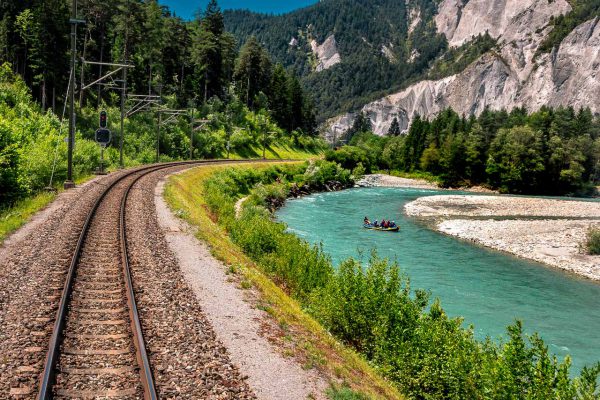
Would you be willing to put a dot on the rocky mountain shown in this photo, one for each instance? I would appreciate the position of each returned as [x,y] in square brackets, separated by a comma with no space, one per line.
[516,73]
[348,52]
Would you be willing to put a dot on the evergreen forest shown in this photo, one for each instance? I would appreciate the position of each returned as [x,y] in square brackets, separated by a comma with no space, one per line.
[551,151]
[245,100]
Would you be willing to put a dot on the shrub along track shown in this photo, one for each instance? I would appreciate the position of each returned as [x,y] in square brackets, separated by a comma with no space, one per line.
[102,350]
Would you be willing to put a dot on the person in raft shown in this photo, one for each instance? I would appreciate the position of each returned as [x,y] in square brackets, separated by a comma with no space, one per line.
[366,221]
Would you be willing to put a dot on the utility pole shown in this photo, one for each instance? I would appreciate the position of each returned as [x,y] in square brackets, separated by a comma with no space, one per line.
[158,137]
[159,87]
[192,135]
[122,138]
[195,127]
[124,89]
[69,184]
[113,85]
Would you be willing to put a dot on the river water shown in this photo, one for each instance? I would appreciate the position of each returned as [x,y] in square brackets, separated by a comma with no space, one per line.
[488,288]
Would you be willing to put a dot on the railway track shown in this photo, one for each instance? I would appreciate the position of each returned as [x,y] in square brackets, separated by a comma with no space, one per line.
[97,346]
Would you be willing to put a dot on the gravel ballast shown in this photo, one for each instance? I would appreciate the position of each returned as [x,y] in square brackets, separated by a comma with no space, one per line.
[33,265]
[187,359]
[236,320]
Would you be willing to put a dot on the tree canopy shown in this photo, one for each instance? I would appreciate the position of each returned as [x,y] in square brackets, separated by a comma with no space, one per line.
[550,151]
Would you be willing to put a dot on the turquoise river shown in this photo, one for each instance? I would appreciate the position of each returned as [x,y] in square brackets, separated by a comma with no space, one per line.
[488,288]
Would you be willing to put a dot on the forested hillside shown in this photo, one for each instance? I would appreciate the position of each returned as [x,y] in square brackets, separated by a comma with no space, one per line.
[246,100]
[383,44]
[551,151]
[193,62]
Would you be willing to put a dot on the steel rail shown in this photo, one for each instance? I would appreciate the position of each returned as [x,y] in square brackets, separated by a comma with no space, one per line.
[136,327]
[49,374]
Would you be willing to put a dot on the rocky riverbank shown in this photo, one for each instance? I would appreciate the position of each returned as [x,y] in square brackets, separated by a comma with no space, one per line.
[381,180]
[543,230]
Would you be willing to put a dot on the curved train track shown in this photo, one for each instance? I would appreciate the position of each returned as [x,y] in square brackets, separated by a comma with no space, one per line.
[97,346]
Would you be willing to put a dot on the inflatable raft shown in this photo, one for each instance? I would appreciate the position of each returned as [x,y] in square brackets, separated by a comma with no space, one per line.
[379,228]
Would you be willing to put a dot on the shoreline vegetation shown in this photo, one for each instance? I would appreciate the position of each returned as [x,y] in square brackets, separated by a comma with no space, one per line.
[33,154]
[369,305]
[302,336]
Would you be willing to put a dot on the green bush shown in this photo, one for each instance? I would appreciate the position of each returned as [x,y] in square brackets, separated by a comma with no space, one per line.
[593,241]
[10,184]
[319,174]
[269,196]
[290,261]
[361,305]
[299,267]
[358,172]
[349,157]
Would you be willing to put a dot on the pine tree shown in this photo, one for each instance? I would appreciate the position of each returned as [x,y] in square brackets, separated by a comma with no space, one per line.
[208,53]
[361,124]
[213,19]
[252,71]
[309,116]
[394,128]
[280,98]
[296,103]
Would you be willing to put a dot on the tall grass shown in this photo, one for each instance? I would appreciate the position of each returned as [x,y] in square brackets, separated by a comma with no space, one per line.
[12,218]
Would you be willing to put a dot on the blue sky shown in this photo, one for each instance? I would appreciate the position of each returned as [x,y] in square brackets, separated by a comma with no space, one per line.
[187,8]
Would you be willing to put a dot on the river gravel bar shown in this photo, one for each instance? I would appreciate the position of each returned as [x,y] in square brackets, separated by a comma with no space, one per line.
[501,206]
[544,230]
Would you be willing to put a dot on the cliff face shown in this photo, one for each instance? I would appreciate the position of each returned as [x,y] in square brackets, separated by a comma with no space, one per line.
[460,20]
[505,78]
[327,53]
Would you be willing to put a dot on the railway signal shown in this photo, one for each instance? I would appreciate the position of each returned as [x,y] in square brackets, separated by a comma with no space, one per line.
[103,137]
[103,119]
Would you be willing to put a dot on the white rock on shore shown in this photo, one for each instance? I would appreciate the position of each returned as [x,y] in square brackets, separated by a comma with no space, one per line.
[381,180]
[555,240]
[482,206]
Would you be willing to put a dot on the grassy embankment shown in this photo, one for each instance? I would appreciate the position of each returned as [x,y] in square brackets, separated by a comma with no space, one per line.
[14,217]
[304,337]
[276,152]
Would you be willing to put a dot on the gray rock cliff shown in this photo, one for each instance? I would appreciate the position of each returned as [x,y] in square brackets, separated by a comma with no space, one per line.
[327,53]
[506,78]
